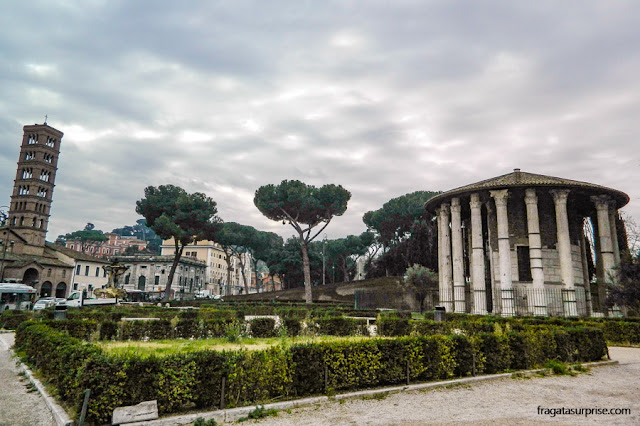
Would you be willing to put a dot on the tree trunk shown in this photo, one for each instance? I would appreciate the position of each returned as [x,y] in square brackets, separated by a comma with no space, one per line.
[254,262]
[308,298]
[172,271]
[227,258]
[345,272]
[244,275]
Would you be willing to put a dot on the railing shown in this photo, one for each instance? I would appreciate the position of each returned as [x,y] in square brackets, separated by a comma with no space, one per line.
[518,301]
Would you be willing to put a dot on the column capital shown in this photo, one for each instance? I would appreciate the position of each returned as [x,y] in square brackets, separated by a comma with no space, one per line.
[560,195]
[601,201]
[530,196]
[443,210]
[455,205]
[475,202]
[500,196]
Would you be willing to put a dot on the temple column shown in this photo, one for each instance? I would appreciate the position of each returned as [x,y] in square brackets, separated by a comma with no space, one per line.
[564,252]
[604,233]
[477,258]
[614,232]
[440,252]
[538,297]
[444,257]
[585,273]
[504,251]
[494,306]
[457,252]
[607,254]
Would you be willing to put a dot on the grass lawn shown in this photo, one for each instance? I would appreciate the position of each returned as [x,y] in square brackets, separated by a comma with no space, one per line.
[169,347]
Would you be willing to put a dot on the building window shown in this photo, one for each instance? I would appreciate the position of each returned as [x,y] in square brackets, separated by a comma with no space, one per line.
[23,190]
[77,268]
[51,142]
[126,278]
[86,270]
[157,280]
[49,272]
[524,264]
[104,273]
[33,139]
[27,173]
[47,158]
[45,175]
[75,286]
[30,156]
[64,273]
[97,271]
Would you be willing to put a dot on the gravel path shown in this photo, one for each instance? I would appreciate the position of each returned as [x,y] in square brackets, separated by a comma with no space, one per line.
[19,404]
[501,402]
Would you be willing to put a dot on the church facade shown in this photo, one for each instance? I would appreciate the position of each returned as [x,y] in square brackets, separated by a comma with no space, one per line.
[527,244]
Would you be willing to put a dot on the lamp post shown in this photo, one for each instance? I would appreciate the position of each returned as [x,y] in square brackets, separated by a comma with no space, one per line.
[324,242]
[3,241]
[4,244]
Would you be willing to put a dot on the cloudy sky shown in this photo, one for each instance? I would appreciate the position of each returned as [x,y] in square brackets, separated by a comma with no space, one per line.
[384,98]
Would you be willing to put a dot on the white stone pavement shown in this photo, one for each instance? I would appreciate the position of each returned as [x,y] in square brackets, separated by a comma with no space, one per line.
[20,403]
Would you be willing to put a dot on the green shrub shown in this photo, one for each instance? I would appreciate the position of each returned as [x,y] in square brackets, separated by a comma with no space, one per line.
[308,369]
[429,328]
[133,330]
[292,325]
[12,319]
[194,379]
[108,330]
[394,314]
[187,327]
[622,333]
[496,351]
[215,327]
[393,327]
[159,329]
[234,331]
[262,327]
[340,326]
[462,352]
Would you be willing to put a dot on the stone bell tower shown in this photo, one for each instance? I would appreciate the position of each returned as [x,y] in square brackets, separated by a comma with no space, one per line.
[33,186]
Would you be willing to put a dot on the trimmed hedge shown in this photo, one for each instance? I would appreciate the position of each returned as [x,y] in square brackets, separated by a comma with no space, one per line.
[262,327]
[388,326]
[341,326]
[184,381]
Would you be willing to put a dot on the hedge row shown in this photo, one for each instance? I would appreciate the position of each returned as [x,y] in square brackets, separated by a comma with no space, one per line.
[195,380]
[615,332]
[205,322]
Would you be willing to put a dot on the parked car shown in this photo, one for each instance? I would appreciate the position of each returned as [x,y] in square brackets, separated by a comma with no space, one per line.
[44,303]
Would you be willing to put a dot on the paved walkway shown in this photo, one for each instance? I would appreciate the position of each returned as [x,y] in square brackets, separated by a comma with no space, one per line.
[19,403]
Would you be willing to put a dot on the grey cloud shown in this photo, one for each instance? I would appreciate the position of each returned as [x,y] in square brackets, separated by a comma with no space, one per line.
[383,99]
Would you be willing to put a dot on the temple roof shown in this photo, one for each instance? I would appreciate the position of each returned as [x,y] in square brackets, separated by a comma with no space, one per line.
[519,179]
